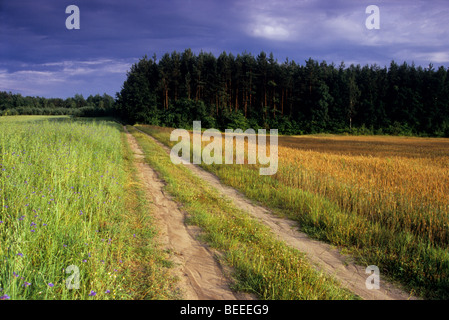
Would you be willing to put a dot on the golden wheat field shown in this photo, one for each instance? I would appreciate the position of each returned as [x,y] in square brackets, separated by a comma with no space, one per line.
[404,181]
[384,199]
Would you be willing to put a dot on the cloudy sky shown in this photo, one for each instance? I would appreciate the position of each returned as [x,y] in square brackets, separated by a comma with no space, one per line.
[39,56]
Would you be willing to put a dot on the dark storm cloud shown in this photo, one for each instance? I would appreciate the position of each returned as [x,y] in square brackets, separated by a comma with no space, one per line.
[39,56]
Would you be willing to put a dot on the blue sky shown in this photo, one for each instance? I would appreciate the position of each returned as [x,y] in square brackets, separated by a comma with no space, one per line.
[39,56]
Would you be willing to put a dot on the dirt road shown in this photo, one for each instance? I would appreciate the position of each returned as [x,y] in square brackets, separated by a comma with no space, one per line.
[201,276]
[322,255]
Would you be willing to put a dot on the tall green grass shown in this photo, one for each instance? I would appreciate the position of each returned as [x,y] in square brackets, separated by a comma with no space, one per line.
[64,202]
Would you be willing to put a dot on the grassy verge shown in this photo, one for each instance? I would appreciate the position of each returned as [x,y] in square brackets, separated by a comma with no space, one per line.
[72,223]
[262,265]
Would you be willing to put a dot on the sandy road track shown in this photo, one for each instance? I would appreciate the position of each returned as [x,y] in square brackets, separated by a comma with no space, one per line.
[322,255]
[201,276]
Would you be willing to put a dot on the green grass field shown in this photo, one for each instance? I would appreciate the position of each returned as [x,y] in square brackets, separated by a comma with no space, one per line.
[72,222]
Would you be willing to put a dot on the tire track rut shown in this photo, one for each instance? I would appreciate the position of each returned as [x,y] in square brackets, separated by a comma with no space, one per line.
[201,277]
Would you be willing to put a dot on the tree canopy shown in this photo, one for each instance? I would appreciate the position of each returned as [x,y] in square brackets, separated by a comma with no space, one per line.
[16,104]
[260,92]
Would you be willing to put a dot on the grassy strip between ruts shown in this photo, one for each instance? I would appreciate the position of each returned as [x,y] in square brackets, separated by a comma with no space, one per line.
[261,264]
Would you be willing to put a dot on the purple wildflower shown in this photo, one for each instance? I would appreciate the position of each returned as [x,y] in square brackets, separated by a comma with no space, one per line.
[5,297]
[50,284]
[20,254]
[92,293]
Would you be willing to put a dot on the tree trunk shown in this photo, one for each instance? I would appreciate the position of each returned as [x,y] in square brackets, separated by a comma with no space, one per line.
[236,99]
[216,102]
[282,101]
[166,98]
[246,103]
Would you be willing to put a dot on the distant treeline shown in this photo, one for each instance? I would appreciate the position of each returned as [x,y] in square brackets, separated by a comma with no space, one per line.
[244,91]
[93,106]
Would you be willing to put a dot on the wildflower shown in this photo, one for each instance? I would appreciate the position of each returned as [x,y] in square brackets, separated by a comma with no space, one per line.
[92,293]
[107,291]
[15,274]
[5,297]
[50,284]
[20,254]
[26,284]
